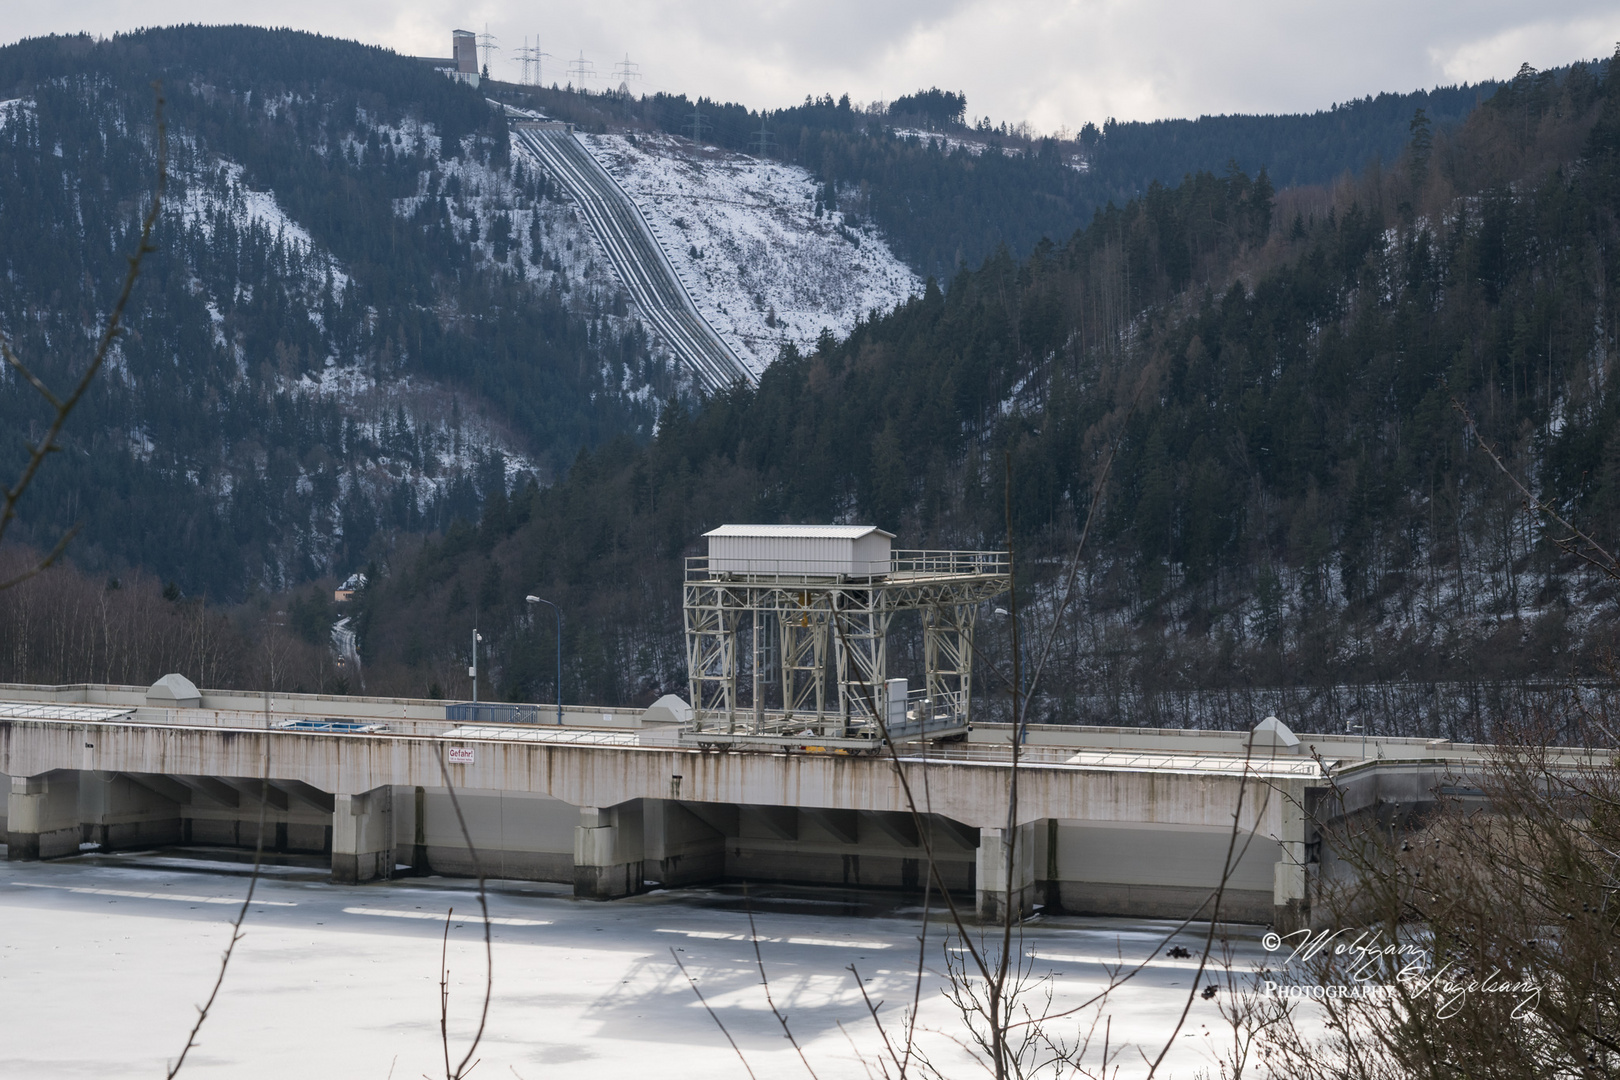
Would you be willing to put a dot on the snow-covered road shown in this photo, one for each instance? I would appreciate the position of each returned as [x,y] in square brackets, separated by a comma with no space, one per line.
[101,965]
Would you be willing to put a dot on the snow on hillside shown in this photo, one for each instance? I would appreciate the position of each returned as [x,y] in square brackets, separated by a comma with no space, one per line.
[946,143]
[425,434]
[11,108]
[543,241]
[217,195]
[409,437]
[744,236]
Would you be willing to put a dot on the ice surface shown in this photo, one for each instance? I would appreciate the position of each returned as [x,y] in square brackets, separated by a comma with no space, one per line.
[101,967]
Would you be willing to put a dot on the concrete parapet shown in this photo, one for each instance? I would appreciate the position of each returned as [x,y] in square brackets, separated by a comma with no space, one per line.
[363,836]
[609,852]
[42,816]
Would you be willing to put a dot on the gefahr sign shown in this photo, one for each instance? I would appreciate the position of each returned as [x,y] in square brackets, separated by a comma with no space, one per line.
[459,755]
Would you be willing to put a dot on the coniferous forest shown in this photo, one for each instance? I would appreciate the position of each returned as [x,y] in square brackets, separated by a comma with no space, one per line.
[1296,501]
[1275,354]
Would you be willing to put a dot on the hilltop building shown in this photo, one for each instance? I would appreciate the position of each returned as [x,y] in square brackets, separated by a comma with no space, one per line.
[462,63]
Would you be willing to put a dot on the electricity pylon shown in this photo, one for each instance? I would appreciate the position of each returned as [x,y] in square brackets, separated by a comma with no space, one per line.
[486,41]
[580,70]
[698,124]
[624,72]
[530,55]
[762,139]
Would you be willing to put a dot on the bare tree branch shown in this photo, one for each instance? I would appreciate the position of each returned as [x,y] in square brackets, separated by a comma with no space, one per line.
[712,1014]
[241,914]
[765,981]
[462,1069]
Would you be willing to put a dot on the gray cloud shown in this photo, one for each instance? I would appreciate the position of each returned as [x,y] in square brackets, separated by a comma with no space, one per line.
[1052,62]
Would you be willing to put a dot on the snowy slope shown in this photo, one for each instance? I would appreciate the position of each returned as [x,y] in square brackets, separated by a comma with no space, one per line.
[406,433]
[744,236]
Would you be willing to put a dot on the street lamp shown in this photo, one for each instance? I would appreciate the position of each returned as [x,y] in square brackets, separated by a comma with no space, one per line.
[472,669]
[558,610]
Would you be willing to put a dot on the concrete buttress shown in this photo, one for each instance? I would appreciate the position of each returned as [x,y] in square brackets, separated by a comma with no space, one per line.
[42,816]
[993,888]
[1290,889]
[363,836]
[608,851]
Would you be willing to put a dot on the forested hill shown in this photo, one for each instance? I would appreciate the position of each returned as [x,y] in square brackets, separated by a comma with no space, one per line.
[1295,150]
[361,316]
[1295,499]
[948,194]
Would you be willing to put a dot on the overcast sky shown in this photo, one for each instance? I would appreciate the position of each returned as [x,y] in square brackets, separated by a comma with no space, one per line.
[1054,63]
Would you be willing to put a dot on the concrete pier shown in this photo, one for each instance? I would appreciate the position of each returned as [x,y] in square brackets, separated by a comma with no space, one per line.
[608,852]
[42,816]
[685,845]
[363,836]
[996,892]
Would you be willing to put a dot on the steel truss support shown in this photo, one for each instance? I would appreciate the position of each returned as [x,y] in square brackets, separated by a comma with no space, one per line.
[862,653]
[803,628]
[795,625]
[948,659]
[712,615]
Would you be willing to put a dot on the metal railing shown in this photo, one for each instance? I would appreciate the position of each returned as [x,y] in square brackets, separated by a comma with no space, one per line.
[900,564]
[489,712]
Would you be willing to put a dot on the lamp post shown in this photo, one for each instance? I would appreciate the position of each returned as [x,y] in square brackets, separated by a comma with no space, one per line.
[472,669]
[558,610]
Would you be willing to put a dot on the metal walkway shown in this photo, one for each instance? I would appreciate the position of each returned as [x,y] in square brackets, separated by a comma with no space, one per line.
[639,260]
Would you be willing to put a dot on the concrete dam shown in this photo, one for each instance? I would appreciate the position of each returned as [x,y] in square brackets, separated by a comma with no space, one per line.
[796,758]
[1111,821]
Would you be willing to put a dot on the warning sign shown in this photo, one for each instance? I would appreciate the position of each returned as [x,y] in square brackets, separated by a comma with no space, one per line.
[459,755]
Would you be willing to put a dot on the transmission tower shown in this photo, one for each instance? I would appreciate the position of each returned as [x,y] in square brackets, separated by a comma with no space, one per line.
[624,72]
[486,41]
[580,70]
[530,55]
[698,124]
[762,139]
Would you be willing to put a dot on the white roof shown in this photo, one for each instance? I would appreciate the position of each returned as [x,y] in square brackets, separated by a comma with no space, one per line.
[832,532]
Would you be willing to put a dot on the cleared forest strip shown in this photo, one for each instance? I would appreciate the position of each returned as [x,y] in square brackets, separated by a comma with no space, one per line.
[641,263]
